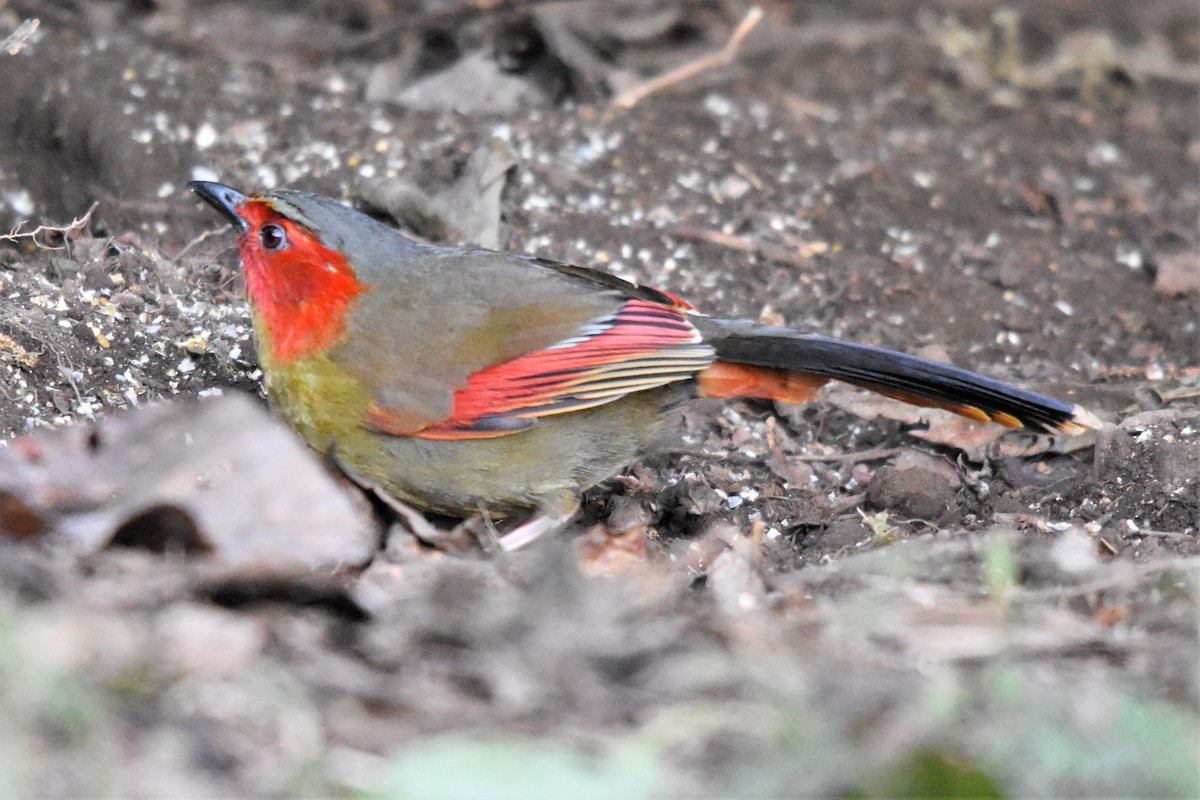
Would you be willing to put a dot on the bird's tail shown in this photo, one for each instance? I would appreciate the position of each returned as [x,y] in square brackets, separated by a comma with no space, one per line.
[783,364]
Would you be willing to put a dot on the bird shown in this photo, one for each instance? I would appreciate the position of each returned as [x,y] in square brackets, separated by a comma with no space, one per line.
[465,381]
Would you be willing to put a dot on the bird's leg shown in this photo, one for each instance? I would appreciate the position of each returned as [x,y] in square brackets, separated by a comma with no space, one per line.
[451,541]
[554,512]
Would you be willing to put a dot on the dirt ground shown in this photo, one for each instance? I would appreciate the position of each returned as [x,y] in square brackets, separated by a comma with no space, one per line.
[847,598]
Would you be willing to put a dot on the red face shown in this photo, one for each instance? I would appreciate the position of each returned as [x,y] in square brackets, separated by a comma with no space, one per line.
[300,290]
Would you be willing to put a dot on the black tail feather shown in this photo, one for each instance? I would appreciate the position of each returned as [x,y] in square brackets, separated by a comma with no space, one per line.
[889,372]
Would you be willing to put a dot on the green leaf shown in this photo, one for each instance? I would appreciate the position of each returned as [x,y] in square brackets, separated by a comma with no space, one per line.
[934,774]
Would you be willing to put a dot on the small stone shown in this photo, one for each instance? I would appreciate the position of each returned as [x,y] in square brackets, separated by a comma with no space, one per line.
[1178,274]
[911,493]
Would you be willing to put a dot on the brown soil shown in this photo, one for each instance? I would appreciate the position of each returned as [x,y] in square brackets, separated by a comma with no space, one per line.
[834,599]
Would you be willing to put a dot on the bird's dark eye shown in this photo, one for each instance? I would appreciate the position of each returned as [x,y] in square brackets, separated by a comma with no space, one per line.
[273,237]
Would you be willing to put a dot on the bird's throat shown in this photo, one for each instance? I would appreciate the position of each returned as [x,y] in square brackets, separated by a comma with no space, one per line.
[300,297]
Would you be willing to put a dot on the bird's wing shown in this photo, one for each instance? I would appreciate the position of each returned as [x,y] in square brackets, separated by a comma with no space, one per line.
[505,340]
[641,346]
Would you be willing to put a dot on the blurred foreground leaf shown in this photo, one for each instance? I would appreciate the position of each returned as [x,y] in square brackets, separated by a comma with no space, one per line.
[930,774]
[532,770]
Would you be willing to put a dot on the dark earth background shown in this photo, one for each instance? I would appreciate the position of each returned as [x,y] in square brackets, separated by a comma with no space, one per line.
[849,598]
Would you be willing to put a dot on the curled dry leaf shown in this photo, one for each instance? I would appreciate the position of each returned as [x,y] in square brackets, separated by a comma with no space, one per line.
[219,476]
[603,553]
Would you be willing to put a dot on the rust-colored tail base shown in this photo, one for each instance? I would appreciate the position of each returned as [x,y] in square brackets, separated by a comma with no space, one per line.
[723,379]
[786,365]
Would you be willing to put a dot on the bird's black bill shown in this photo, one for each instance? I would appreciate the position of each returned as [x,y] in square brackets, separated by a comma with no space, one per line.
[223,199]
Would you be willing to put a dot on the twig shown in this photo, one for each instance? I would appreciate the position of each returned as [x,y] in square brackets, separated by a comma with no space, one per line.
[771,252]
[725,56]
[67,371]
[1181,393]
[875,454]
[846,503]
[76,225]
[208,234]
[1164,534]
[15,42]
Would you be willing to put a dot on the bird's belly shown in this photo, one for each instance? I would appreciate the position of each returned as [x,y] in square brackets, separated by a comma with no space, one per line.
[563,453]
[567,452]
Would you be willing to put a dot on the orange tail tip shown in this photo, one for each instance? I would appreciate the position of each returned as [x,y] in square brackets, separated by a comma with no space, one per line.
[722,379]
[1081,421]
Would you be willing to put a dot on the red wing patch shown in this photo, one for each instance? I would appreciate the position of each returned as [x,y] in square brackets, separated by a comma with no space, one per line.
[642,346]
